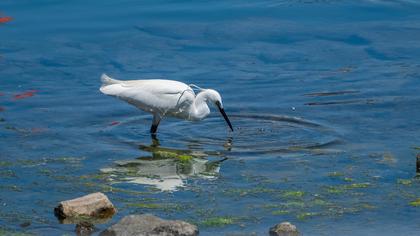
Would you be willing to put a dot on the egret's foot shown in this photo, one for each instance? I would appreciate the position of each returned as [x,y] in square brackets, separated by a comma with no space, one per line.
[155,140]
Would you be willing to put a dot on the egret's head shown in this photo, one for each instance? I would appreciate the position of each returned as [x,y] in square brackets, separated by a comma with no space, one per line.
[214,97]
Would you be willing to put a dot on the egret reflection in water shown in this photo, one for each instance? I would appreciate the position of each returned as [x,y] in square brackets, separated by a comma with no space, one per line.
[166,168]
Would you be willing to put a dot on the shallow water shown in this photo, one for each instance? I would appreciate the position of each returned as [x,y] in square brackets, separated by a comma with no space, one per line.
[323,96]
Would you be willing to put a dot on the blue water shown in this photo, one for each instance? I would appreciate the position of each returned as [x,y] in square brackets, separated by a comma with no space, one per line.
[323,96]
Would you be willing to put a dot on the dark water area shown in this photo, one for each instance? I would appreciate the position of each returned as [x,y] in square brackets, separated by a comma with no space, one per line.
[324,97]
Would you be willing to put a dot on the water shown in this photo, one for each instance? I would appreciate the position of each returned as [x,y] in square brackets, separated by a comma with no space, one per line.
[323,96]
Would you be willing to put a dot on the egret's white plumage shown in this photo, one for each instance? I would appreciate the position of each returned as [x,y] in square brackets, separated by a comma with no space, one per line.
[164,98]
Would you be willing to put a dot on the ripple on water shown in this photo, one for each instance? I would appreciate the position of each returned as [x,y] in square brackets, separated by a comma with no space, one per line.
[255,134]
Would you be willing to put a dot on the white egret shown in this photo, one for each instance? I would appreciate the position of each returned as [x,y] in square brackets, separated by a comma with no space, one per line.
[164,98]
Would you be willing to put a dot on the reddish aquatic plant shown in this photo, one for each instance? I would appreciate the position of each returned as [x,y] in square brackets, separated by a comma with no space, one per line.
[2,109]
[5,19]
[114,123]
[38,130]
[26,94]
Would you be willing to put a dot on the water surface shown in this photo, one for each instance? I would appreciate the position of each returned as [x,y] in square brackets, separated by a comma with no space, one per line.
[323,96]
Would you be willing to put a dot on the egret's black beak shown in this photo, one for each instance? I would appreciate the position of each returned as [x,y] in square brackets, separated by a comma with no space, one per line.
[224,115]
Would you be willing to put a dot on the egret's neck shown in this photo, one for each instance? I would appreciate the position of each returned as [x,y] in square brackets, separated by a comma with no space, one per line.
[199,109]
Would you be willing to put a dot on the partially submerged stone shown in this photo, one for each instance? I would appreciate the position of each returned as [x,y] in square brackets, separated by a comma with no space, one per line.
[84,229]
[418,163]
[284,229]
[150,225]
[82,209]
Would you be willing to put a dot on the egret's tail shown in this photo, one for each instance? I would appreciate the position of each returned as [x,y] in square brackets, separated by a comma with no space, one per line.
[108,84]
[106,80]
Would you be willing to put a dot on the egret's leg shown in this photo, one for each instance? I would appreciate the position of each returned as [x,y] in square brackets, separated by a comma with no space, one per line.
[155,124]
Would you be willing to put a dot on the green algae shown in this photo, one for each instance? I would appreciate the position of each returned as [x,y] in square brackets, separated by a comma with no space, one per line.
[96,176]
[13,188]
[340,175]
[339,189]
[111,189]
[367,206]
[156,206]
[66,160]
[204,212]
[45,171]
[293,194]
[320,202]
[218,221]
[146,205]
[358,185]
[166,154]
[72,161]
[347,179]
[294,204]
[306,215]
[404,181]
[415,203]
[388,158]
[102,218]
[184,157]
[13,233]
[271,206]
[8,174]
[242,192]
[280,212]
[335,174]
[335,189]
[5,164]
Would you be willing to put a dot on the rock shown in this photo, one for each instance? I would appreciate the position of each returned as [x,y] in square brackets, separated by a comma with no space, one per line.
[284,229]
[84,229]
[418,163]
[95,205]
[149,225]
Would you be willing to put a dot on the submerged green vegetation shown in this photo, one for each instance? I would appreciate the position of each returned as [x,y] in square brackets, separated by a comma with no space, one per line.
[218,221]
[405,181]
[157,206]
[7,232]
[339,189]
[293,194]
[415,203]
[280,212]
[175,154]
[281,199]
[306,215]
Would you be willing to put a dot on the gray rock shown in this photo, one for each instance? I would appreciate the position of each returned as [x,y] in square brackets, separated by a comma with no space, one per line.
[149,225]
[284,229]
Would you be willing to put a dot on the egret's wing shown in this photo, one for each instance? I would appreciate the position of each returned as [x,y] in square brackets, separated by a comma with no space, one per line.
[152,95]
[158,86]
